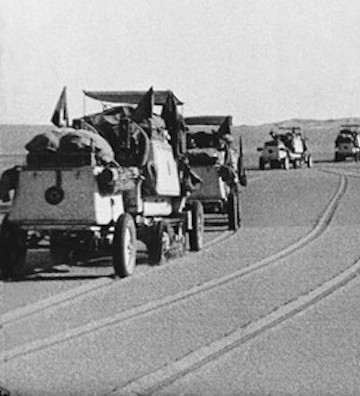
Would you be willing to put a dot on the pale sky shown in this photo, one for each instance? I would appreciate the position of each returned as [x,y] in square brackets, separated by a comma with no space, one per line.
[259,60]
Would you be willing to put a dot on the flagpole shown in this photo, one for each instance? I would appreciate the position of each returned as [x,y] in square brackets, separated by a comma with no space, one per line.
[84,104]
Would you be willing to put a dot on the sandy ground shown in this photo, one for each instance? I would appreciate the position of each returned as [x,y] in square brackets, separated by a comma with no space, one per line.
[101,342]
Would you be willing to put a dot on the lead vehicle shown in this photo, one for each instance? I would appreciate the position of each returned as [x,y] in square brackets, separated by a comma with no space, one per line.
[286,147]
[347,143]
[81,200]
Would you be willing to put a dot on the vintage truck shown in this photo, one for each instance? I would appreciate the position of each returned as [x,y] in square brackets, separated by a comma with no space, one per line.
[112,178]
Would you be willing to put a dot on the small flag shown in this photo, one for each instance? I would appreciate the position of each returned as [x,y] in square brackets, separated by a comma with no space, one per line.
[170,113]
[144,109]
[225,127]
[60,116]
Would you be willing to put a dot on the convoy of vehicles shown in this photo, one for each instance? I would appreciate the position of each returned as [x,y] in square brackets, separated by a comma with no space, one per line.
[117,176]
[347,143]
[287,147]
[125,174]
[213,157]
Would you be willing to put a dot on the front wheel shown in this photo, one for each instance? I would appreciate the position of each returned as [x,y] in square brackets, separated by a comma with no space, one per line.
[310,162]
[124,246]
[159,246]
[286,163]
[197,226]
[233,211]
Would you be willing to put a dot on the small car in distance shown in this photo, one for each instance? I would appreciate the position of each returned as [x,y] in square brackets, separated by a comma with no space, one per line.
[347,143]
[285,148]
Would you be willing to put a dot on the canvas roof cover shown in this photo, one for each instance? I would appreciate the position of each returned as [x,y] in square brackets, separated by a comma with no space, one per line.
[207,120]
[129,97]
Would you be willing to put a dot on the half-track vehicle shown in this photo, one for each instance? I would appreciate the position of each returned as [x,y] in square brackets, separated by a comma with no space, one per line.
[113,178]
[215,160]
[284,149]
[347,143]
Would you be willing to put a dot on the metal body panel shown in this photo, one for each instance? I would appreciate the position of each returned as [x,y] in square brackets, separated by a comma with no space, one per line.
[167,176]
[274,153]
[213,188]
[81,203]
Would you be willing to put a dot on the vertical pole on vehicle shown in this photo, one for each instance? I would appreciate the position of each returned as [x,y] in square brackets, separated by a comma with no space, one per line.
[84,105]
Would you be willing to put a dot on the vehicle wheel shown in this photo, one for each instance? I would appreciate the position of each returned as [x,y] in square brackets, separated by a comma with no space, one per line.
[197,225]
[286,163]
[357,157]
[59,249]
[309,161]
[12,250]
[124,246]
[261,163]
[159,246]
[296,164]
[338,157]
[233,210]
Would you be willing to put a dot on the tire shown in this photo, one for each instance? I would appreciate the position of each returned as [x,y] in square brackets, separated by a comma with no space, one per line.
[197,227]
[338,157]
[59,250]
[286,163]
[124,246]
[12,251]
[261,163]
[309,161]
[159,245]
[296,164]
[357,157]
[233,211]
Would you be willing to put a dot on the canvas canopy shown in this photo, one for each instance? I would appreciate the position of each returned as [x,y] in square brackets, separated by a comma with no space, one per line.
[207,120]
[130,97]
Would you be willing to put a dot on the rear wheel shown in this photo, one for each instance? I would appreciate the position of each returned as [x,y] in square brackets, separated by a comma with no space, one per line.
[124,246]
[296,164]
[59,249]
[261,163]
[12,250]
[357,156]
[234,210]
[338,157]
[197,226]
[159,246]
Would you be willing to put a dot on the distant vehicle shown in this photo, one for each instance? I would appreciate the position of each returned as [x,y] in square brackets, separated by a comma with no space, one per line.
[284,149]
[98,188]
[219,165]
[347,143]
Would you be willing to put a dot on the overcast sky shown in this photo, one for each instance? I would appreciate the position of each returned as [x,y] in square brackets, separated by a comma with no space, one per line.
[259,60]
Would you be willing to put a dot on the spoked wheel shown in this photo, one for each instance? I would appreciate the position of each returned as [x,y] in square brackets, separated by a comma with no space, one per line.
[12,250]
[234,210]
[197,226]
[124,246]
[160,242]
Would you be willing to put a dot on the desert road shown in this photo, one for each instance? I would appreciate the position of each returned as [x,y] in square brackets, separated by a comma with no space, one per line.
[271,309]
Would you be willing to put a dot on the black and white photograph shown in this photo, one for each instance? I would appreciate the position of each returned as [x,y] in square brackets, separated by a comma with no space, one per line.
[179,198]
